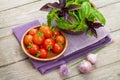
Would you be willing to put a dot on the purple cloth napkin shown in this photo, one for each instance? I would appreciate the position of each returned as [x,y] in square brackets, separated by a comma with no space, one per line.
[78,46]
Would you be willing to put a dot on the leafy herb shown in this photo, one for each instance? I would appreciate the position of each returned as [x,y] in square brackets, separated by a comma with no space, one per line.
[63,10]
[74,15]
[92,26]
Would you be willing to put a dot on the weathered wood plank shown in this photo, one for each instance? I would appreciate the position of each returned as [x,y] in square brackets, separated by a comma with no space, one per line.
[30,13]
[103,3]
[7,4]
[10,51]
[108,72]
[24,71]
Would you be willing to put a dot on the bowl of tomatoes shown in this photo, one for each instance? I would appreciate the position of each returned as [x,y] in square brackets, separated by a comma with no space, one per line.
[43,43]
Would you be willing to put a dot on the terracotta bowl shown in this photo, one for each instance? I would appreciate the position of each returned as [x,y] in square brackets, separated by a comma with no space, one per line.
[53,57]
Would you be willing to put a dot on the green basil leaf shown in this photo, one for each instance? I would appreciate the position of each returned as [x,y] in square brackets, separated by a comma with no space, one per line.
[81,1]
[99,16]
[52,15]
[85,10]
[75,15]
[96,15]
[64,24]
[82,26]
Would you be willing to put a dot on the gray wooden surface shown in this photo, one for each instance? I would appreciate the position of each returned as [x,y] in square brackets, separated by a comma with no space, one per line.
[15,66]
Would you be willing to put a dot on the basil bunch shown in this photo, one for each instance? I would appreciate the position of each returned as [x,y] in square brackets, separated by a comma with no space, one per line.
[83,16]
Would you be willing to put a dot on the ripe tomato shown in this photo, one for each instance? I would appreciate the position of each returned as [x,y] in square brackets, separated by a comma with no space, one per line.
[56,32]
[49,43]
[57,48]
[33,49]
[33,32]
[42,53]
[60,39]
[47,31]
[27,39]
[38,38]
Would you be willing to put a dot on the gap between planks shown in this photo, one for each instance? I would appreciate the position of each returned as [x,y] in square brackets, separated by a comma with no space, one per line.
[109,4]
[19,5]
[92,70]
[99,7]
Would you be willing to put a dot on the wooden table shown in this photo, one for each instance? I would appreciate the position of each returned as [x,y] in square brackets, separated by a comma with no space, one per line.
[14,65]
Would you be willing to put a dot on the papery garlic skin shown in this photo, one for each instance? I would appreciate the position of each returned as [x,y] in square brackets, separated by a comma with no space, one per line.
[92,58]
[64,70]
[85,66]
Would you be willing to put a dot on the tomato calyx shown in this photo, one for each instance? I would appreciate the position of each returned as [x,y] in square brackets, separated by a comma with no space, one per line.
[53,37]
[60,43]
[49,48]
[30,45]
[40,34]
[38,54]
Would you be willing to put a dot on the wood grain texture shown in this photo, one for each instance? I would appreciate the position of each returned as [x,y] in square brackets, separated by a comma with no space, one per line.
[103,3]
[108,72]
[24,71]
[8,4]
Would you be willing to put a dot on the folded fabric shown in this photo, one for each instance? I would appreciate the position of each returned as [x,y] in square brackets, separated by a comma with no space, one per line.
[78,46]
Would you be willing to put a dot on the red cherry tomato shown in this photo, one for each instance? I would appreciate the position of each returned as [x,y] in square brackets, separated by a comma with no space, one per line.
[60,39]
[33,49]
[49,43]
[47,31]
[56,32]
[42,53]
[27,39]
[57,48]
[38,38]
[33,32]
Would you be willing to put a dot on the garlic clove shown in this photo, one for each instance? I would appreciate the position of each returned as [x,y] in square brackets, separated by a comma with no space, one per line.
[85,66]
[92,58]
[64,70]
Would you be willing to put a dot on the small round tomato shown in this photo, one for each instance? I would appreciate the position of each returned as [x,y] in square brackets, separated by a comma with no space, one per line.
[49,43]
[56,32]
[33,32]
[57,48]
[27,39]
[38,38]
[60,39]
[33,49]
[42,53]
[47,31]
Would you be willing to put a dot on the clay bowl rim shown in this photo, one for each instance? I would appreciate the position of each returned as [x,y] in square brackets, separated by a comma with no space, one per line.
[41,59]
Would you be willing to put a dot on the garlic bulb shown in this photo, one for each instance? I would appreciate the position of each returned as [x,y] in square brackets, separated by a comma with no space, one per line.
[64,70]
[92,58]
[85,66]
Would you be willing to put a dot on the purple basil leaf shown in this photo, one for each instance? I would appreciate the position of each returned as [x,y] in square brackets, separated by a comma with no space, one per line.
[71,19]
[97,25]
[73,7]
[94,32]
[62,3]
[66,16]
[50,6]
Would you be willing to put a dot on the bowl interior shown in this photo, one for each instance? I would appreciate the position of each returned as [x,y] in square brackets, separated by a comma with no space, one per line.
[51,55]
